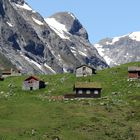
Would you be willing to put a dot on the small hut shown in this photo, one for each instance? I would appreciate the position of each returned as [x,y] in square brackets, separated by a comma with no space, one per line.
[33,83]
[85,70]
[87,89]
[11,72]
[134,72]
[6,73]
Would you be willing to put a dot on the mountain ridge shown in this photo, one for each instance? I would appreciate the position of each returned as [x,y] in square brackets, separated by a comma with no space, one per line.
[120,50]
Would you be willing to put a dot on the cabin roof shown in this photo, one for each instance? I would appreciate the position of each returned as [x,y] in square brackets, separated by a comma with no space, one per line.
[32,77]
[87,85]
[6,72]
[133,68]
[86,66]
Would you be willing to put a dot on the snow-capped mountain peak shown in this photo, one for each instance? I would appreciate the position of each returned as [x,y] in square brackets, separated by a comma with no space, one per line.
[135,36]
[121,49]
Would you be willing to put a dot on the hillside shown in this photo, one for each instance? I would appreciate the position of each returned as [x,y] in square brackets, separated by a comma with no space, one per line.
[33,115]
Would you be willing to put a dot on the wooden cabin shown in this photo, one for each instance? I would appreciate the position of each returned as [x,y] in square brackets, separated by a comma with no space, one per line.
[33,83]
[134,72]
[87,89]
[6,73]
[84,70]
[11,72]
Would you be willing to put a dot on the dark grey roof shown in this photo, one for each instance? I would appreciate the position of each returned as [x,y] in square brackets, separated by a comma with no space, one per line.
[86,66]
[133,68]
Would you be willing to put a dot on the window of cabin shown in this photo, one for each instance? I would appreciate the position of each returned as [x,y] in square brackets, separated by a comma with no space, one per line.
[84,68]
[88,92]
[30,81]
[96,92]
[80,91]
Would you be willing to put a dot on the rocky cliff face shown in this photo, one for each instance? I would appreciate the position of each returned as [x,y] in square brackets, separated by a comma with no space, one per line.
[120,50]
[34,45]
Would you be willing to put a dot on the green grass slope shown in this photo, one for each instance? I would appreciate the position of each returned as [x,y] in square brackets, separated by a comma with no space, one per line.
[33,116]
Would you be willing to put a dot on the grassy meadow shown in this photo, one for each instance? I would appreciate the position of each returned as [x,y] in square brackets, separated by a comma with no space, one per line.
[32,115]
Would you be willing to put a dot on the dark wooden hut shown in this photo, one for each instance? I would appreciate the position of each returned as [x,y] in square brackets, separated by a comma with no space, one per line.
[87,89]
[134,72]
[6,73]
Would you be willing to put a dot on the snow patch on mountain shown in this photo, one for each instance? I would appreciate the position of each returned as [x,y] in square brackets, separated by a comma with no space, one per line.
[100,49]
[31,61]
[71,15]
[101,52]
[24,6]
[33,11]
[59,58]
[135,36]
[65,70]
[82,53]
[48,67]
[10,24]
[59,28]
[115,39]
[73,50]
[37,21]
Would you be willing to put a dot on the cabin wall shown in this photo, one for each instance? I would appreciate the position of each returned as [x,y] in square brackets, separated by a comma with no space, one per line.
[41,84]
[27,85]
[89,93]
[13,73]
[133,75]
[83,72]
[1,79]
[5,75]
[36,85]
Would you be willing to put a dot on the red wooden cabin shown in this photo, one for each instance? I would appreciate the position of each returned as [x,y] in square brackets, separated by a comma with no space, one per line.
[33,83]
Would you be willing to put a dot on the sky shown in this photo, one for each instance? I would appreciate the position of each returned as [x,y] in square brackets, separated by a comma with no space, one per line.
[101,18]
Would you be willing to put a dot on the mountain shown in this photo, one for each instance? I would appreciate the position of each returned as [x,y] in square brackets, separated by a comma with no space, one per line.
[36,45]
[120,50]
[5,63]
